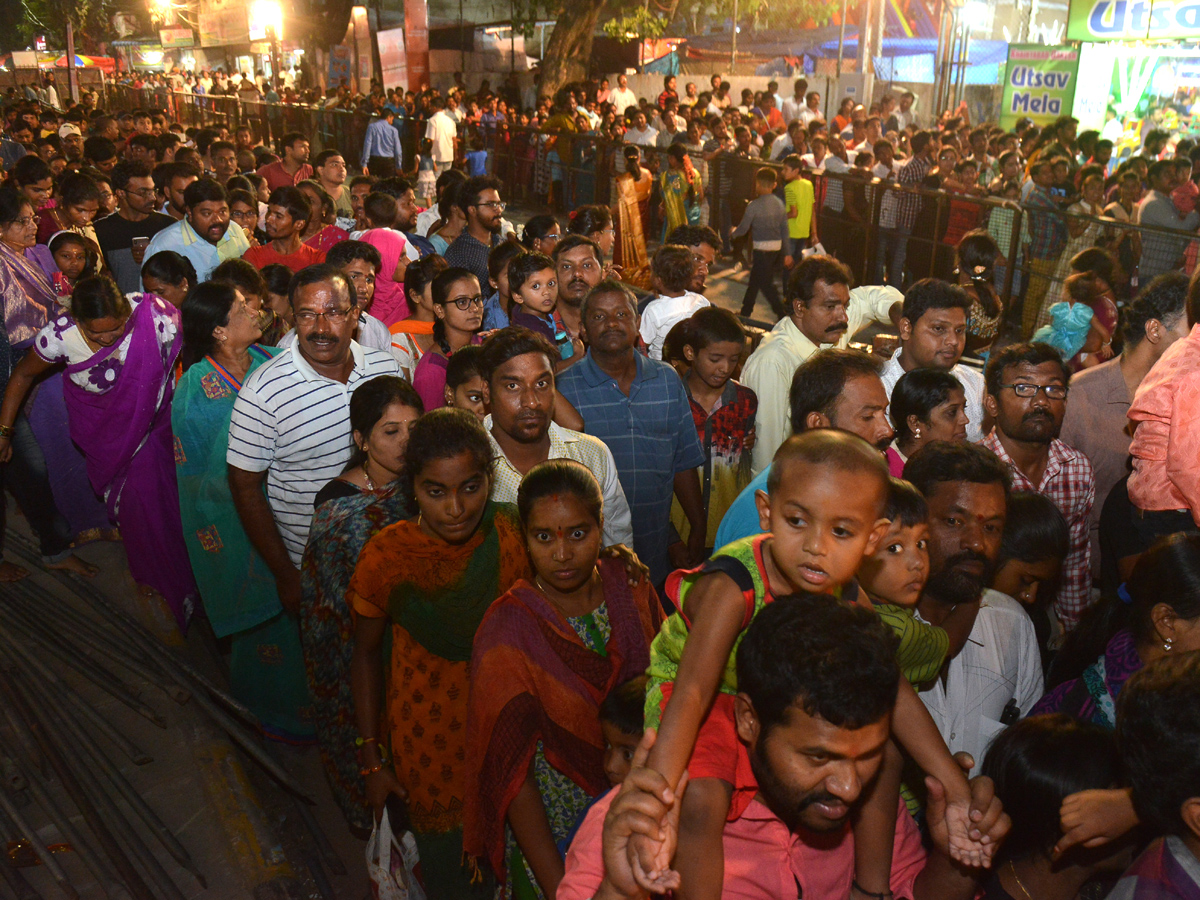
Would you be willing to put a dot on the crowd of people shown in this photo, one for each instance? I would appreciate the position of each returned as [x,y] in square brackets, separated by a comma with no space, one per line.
[518,527]
[889,193]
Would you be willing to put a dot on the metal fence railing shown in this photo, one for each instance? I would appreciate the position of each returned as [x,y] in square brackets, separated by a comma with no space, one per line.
[881,230]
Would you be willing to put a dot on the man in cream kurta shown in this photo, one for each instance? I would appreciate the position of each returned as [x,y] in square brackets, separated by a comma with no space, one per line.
[824,312]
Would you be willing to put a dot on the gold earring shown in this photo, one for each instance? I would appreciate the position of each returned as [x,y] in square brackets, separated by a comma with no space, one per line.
[1167,645]
[917,434]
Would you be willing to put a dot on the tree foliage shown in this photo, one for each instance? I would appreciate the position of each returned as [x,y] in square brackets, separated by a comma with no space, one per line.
[91,18]
[570,45]
[638,24]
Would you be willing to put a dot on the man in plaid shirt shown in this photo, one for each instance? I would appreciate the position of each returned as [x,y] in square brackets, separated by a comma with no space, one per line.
[1047,239]
[1027,398]
[894,242]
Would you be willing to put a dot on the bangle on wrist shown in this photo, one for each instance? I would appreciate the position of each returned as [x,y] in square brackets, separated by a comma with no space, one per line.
[371,770]
[6,431]
[880,895]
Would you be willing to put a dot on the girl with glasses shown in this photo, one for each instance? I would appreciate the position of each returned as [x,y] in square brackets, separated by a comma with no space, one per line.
[458,315]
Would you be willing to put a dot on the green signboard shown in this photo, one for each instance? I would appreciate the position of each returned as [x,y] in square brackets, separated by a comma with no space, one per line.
[1133,20]
[1039,83]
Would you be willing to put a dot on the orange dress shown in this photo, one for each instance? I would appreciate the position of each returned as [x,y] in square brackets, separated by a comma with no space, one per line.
[436,594]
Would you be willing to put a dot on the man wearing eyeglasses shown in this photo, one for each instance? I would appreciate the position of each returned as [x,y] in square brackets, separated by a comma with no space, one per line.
[480,202]
[124,235]
[290,426]
[1027,397]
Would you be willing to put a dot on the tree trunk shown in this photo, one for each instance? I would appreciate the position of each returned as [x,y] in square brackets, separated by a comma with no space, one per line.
[570,45]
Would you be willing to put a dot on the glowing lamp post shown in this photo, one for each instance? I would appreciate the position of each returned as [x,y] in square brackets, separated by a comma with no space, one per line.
[266,22]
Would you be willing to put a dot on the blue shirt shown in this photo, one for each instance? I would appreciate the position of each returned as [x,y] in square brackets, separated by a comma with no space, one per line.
[477,163]
[204,257]
[652,438]
[382,140]
[741,519]
[494,315]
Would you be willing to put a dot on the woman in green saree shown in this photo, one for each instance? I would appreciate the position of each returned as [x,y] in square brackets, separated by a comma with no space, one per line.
[266,668]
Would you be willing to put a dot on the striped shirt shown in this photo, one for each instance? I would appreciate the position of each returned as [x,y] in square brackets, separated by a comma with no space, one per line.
[923,647]
[294,424]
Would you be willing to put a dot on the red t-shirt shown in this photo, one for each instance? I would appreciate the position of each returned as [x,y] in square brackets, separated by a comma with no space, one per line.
[267,255]
[277,176]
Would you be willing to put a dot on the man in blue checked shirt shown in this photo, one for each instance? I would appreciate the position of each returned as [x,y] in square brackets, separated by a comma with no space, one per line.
[639,408]
[381,149]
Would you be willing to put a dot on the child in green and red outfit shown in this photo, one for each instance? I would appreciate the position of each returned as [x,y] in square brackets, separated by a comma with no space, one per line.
[823,509]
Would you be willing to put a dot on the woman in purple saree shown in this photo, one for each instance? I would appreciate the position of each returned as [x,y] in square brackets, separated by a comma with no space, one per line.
[120,358]
[46,472]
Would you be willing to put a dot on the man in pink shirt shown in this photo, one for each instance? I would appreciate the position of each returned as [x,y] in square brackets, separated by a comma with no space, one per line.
[1165,483]
[795,839]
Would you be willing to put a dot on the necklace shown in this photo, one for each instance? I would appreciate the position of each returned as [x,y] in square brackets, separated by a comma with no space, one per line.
[537,580]
[367,475]
[1024,890]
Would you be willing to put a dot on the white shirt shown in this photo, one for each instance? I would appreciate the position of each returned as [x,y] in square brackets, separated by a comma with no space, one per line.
[294,424]
[644,138]
[887,173]
[768,372]
[661,315]
[583,448]
[809,161]
[781,147]
[425,220]
[441,129]
[791,109]
[807,115]
[622,99]
[999,663]
[973,390]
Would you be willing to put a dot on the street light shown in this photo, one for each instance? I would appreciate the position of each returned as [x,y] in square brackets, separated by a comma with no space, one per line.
[265,15]
[266,22]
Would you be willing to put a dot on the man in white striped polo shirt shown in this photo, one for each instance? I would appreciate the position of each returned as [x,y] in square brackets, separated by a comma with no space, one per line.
[291,422]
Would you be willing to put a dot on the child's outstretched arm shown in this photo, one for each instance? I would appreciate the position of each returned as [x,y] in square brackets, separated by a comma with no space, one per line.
[915,731]
[716,610]
[875,826]
[1093,818]
[958,625]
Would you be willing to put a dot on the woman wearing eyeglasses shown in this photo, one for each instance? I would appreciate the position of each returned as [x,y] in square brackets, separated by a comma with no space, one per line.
[458,315]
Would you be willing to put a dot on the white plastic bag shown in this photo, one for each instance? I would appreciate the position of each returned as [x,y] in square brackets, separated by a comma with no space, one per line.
[391,863]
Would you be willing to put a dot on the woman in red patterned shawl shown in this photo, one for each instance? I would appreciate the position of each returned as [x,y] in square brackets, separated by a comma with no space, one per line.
[545,655]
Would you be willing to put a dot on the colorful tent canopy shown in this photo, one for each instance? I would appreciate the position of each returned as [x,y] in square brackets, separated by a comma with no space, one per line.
[107,63]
